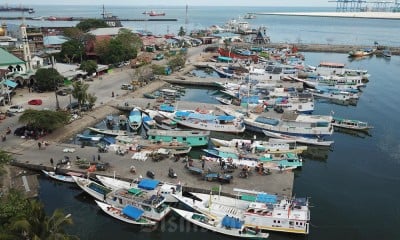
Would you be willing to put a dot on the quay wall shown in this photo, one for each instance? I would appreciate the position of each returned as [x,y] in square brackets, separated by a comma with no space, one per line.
[308,47]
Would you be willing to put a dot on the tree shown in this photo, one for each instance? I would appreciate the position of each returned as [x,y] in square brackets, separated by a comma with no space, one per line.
[181,32]
[45,119]
[89,66]
[123,47]
[79,92]
[73,33]
[5,158]
[177,62]
[72,49]
[48,79]
[25,219]
[89,24]
[91,99]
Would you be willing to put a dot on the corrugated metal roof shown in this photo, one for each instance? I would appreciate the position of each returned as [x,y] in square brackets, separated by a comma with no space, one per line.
[7,58]
[54,40]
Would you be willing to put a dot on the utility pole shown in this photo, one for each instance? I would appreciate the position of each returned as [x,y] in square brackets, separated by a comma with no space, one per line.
[55,85]
[186,20]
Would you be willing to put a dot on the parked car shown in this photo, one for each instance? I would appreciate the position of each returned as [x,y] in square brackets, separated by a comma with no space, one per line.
[35,102]
[64,92]
[126,87]
[72,106]
[16,109]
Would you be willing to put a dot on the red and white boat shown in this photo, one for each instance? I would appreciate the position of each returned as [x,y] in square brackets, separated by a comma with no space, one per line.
[155,14]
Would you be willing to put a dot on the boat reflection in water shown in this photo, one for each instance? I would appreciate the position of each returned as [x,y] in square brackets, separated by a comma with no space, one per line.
[319,153]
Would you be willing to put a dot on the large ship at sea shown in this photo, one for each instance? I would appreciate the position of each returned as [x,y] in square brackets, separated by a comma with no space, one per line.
[7,8]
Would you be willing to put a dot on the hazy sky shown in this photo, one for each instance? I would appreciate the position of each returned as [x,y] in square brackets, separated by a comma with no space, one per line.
[316,3]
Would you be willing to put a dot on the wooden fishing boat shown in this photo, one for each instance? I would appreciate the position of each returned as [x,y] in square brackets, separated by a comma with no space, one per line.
[135,119]
[227,225]
[108,131]
[289,138]
[63,178]
[351,124]
[128,214]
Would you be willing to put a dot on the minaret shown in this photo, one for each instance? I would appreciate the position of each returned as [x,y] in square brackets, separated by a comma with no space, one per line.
[25,45]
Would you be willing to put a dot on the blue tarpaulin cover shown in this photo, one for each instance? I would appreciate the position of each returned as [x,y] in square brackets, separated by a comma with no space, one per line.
[266,198]
[269,121]
[167,108]
[226,118]
[182,113]
[109,140]
[10,83]
[132,212]
[231,222]
[148,184]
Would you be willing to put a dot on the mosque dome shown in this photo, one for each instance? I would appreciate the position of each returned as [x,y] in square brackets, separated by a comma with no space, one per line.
[2,31]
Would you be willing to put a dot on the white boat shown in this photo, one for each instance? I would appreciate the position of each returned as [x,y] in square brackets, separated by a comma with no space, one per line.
[162,121]
[63,178]
[154,205]
[94,189]
[225,225]
[292,124]
[335,95]
[135,119]
[165,189]
[289,138]
[257,146]
[128,214]
[108,131]
[224,100]
[209,122]
[89,137]
[351,124]
[148,122]
[332,68]
[256,209]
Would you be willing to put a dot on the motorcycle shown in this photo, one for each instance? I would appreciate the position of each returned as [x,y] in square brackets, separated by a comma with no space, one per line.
[150,174]
[172,173]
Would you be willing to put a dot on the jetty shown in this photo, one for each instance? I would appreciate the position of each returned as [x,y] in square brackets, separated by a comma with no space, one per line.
[78,19]
[365,15]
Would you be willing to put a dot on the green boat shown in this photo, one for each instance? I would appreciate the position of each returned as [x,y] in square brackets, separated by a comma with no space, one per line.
[149,95]
[192,137]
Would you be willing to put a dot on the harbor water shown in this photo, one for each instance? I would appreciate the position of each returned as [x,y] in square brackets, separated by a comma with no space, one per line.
[321,30]
[353,188]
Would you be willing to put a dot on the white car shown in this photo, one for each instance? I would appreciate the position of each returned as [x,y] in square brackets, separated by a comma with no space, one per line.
[16,109]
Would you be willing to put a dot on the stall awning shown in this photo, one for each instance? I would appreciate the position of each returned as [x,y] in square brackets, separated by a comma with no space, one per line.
[10,83]
[148,184]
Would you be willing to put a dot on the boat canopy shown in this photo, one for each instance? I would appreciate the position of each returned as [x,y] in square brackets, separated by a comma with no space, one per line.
[231,222]
[300,201]
[266,198]
[132,212]
[224,59]
[148,184]
[269,121]
[202,117]
[226,118]
[166,108]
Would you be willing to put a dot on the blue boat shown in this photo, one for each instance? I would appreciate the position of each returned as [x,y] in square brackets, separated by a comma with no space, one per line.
[135,119]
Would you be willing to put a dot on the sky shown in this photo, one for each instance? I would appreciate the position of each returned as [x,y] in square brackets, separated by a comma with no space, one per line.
[289,3]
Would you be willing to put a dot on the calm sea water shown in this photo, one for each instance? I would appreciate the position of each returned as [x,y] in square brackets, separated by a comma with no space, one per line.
[353,188]
[281,28]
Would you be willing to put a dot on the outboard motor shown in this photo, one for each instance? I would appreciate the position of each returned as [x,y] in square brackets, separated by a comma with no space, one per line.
[150,174]
[171,173]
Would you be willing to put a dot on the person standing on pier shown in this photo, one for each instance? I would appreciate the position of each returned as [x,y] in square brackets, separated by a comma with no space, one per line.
[39,145]
[51,161]
[98,157]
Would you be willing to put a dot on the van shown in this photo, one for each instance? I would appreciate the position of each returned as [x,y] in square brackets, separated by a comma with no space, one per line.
[126,87]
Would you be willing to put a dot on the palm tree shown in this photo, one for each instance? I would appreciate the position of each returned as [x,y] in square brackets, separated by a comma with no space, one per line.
[79,92]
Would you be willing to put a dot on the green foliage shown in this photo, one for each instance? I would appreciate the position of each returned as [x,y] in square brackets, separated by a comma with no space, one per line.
[177,62]
[89,24]
[22,218]
[71,50]
[73,33]
[5,158]
[91,99]
[181,32]
[158,69]
[49,120]
[123,47]
[48,79]
[89,66]
[79,92]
